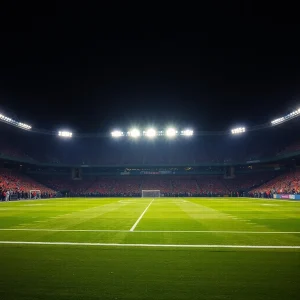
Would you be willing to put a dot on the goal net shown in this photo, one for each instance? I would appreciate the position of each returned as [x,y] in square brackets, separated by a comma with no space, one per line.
[35,194]
[150,193]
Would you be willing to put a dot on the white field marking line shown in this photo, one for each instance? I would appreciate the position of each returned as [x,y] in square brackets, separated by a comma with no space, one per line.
[273,199]
[26,200]
[171,202]
[150,231]
[148,245]
[68,199]
[139,219]
[64,230]
[130,202]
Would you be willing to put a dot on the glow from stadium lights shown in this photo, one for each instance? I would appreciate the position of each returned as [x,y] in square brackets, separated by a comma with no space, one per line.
[14,123]
[238,130]
[187,132]
[25,126]
[171,132]
[117,133]
[65,134]
[286,118]
[134,133]
[277,121]
[150,133]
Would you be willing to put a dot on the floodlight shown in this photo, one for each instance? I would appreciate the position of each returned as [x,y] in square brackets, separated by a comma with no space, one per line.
[277,121]
[286,118]
[117,133]
[65,134]
[24,126]
[171,132]
[238,130]
[135,133]
[14,122]
[150,133]
[6,119]
[187,132]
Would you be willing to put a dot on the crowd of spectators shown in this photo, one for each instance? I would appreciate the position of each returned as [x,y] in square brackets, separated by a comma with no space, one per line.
[173,186]
[184,186]
[246,182]
[288,183]
[17,185]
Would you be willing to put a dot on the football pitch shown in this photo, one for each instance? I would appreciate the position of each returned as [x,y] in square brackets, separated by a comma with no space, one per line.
[144,248]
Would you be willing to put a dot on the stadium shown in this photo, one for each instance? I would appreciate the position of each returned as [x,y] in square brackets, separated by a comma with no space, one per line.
[174,212]
[149,154]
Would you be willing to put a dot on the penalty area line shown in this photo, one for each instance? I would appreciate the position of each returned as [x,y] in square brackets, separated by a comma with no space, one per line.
[148,245]
[139,219]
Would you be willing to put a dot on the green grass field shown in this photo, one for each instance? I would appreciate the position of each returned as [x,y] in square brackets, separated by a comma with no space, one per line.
[167,248]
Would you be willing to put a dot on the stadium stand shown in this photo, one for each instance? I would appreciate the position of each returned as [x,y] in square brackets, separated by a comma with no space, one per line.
[164,185]
[288,183]
[18,183]
[102,187]
[246,182]
[72,187]
[127,187]
[210,185]
[261,184]
[183,186]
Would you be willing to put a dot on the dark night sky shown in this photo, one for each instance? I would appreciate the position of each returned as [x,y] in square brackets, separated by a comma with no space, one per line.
[91,69]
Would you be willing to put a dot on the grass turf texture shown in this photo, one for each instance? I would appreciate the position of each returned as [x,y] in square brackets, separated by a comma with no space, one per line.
[89,271]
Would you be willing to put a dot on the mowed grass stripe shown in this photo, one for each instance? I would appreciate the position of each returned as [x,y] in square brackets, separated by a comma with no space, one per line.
[86,215]
[167,221]
[75,272]
[266,214]
[167,215]
[126,237]
[212,218]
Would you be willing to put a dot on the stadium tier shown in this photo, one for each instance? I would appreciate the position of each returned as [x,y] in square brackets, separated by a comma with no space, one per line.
[288,183]
[19,185]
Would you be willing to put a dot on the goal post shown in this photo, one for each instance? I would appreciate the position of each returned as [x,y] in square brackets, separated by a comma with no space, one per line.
[35,194]
[150,193]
